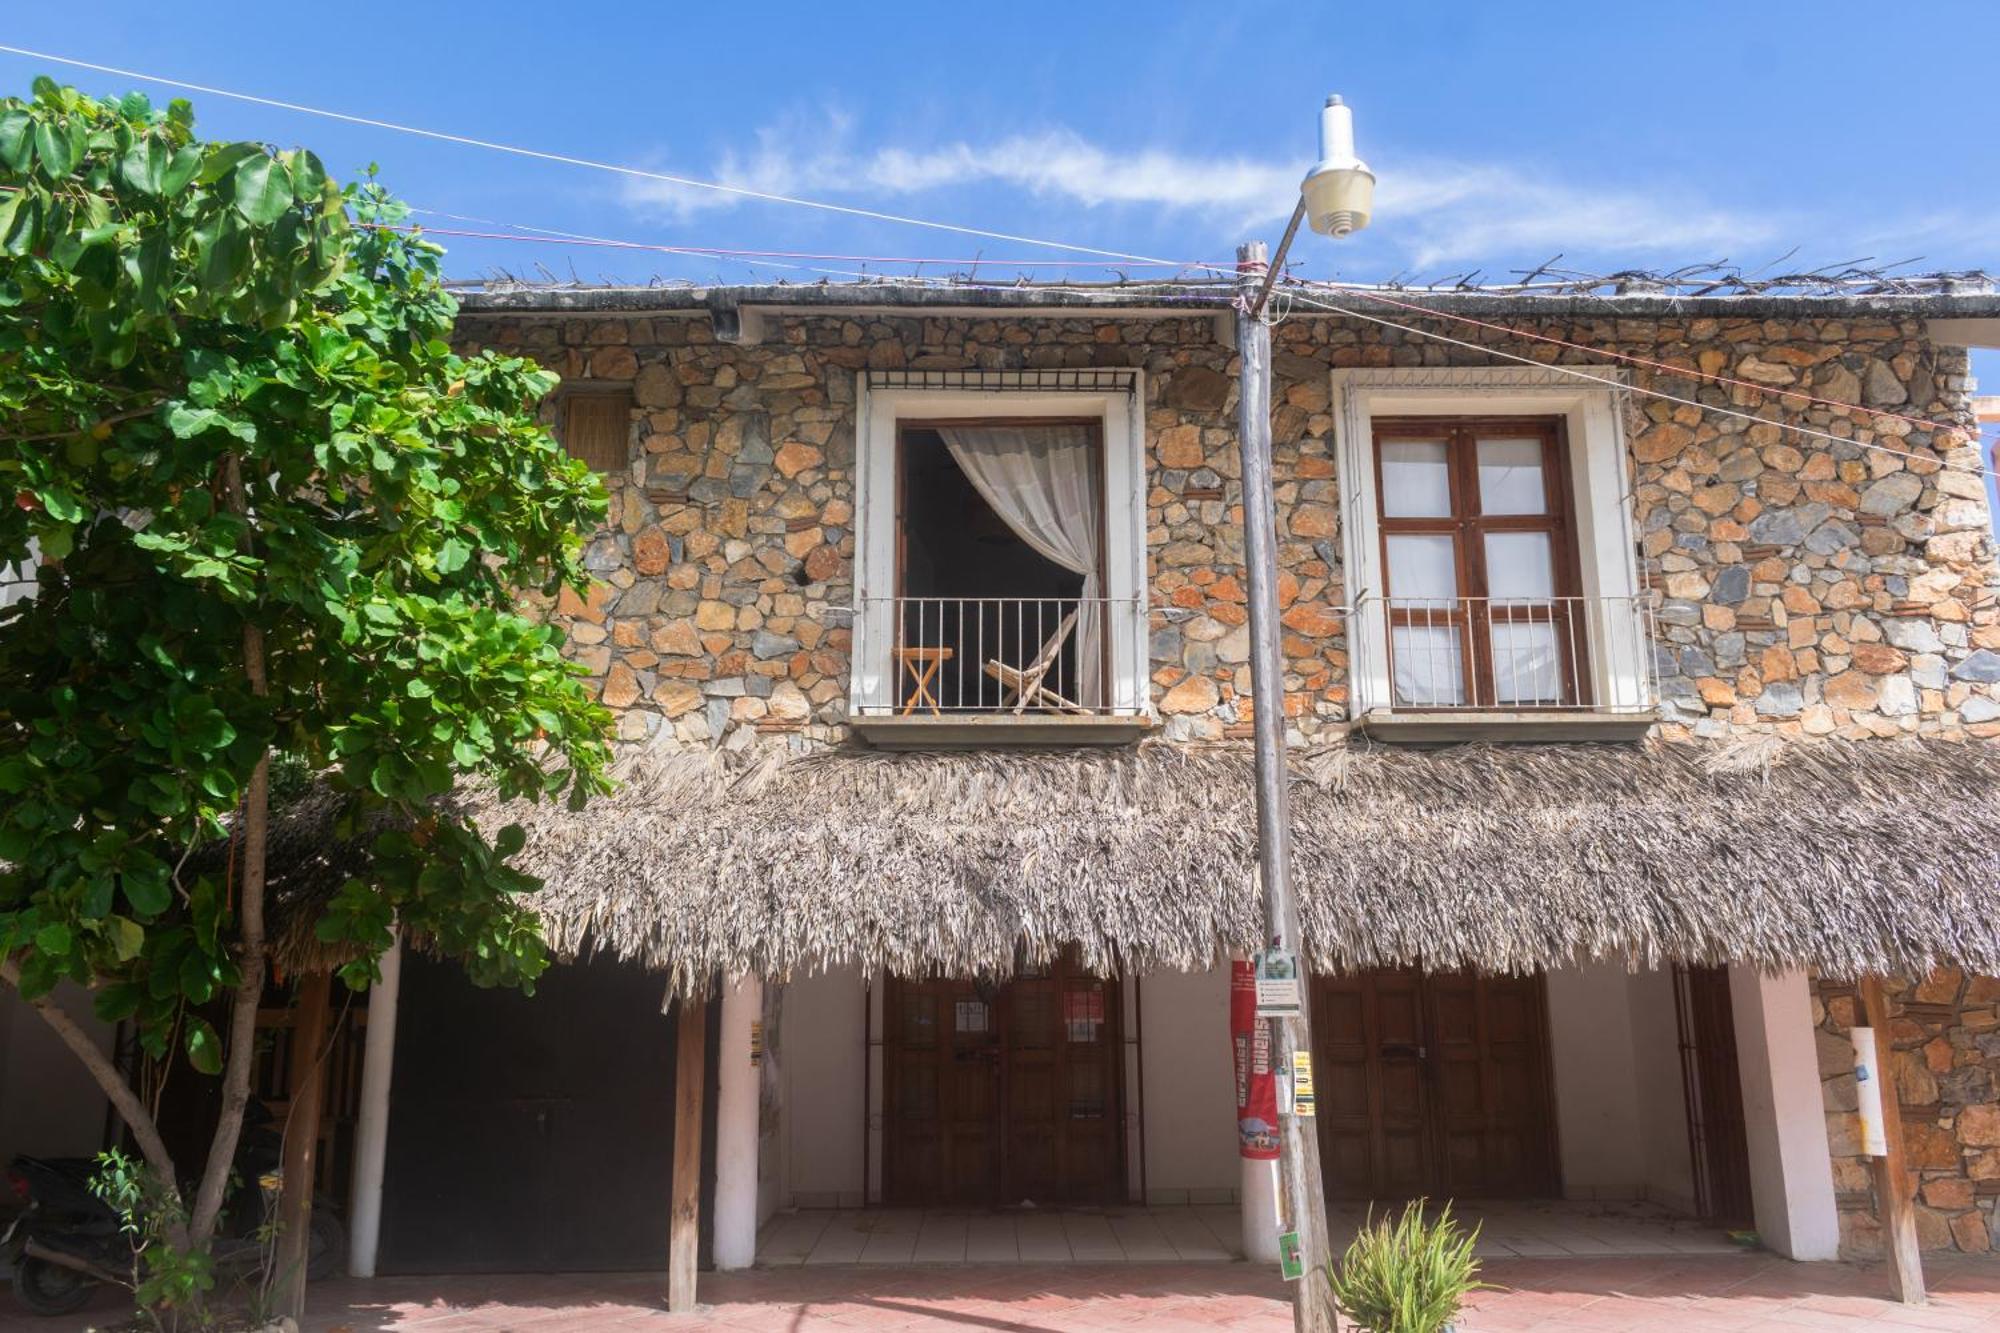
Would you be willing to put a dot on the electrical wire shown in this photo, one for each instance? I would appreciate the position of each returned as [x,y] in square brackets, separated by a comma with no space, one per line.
[1572,371]
[565,159]
[1684,372]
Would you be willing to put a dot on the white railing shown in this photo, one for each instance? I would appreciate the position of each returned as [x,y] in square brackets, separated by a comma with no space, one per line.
[1004,656]
[1506,654]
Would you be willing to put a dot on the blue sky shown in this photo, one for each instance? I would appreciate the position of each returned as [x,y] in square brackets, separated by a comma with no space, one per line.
[1617,135]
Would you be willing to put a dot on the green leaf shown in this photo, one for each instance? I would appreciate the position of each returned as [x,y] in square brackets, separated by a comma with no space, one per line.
[128,937]
[511,840]
[53,938]
[144,165]
[148,896]
[263,189]
[452,555]
[52,148]
[204,1048]
[418,688]
[16,139]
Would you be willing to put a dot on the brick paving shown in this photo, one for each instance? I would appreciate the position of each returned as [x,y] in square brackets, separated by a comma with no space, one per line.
[1684,1294]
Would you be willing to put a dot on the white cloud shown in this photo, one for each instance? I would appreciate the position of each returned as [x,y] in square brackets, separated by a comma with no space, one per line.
[1431,213]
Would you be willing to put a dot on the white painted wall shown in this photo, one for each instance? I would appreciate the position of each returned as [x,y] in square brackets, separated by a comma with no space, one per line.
[1656,1058]
[821,1072]
[1620,1116]
[49,1105]
[1597,1096]
[1791,1167]
[1189,1087]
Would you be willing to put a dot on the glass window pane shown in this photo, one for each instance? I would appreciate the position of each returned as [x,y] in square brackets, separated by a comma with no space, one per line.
[1416,479]
[1520,565]
[1429,672]
[1510,477]
[1527,670]
[1423,569]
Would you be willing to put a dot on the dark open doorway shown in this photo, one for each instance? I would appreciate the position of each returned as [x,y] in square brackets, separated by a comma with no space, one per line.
[533,1133]
[976,602]
[1718,1143]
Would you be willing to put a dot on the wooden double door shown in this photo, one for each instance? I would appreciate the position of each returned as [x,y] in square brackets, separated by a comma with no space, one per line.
[1434,1085]
[1000,1093]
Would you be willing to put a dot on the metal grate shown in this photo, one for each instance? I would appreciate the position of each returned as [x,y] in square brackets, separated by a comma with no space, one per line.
[1086,379]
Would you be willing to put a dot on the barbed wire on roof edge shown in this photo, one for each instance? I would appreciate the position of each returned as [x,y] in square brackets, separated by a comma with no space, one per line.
[1857,278]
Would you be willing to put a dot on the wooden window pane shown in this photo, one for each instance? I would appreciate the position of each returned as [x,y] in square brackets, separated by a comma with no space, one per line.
[1423,569]
[597,428]
[1510,477]
[1429,670]
[1416,479]
[1520,565]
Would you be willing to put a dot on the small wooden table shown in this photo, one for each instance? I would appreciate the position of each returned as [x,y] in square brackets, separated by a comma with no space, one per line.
[922,665]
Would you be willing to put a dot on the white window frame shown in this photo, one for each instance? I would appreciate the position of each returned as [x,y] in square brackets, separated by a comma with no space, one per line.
[1607,548]
[880,412]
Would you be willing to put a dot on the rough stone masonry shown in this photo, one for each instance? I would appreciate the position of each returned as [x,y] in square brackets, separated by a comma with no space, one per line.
[1804,587]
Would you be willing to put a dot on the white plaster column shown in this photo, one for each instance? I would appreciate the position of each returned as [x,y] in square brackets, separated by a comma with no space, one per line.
[1791,1167]
[1260,1211]
[736,1122]
[371,1125]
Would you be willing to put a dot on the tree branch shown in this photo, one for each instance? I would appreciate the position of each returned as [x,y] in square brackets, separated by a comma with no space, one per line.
[242,1049]
[145,1132]
[111,420]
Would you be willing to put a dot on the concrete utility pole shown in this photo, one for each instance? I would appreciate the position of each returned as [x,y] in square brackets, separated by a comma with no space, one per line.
[1301,1197]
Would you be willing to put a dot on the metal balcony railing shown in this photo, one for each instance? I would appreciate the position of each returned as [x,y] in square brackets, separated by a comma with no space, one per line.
[1018,656]
[1508,654]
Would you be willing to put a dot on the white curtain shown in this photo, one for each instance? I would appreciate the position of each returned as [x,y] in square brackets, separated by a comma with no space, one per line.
[1043,481]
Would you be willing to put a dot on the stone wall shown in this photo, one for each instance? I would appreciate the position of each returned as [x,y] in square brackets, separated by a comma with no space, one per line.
[1805,587]
[1946,1069]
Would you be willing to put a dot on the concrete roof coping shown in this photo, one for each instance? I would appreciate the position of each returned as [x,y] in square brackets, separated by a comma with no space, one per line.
[1195,300]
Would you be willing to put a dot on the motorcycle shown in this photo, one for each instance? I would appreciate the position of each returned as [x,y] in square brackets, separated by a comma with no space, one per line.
[68,1240]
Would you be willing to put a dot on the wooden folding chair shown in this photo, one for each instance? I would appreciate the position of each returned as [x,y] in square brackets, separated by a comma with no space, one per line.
[1025,683]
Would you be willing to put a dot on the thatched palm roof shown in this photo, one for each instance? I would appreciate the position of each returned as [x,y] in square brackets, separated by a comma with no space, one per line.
[1877,857]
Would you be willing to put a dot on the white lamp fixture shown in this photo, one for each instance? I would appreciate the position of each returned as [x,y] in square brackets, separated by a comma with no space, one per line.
[1340,189]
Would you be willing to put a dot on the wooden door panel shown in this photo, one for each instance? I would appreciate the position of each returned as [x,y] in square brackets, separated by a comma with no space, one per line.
[1000,1094]
[1434,1085]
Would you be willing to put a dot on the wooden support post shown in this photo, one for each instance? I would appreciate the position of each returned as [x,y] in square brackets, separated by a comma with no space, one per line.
[690,1083]
[1894,1191]
[295,1199]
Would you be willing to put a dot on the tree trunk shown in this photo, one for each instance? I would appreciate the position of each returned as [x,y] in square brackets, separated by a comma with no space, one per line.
[242,1043]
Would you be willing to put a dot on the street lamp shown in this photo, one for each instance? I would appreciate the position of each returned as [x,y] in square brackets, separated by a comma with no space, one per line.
[1338,194]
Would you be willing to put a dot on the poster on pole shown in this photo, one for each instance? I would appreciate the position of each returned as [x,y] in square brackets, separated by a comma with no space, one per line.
[1278,993]
[1256,1084]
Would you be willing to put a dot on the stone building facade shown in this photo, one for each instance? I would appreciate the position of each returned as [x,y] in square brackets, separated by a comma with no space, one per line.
[1946,1069]
[1811,586]
[1834,580]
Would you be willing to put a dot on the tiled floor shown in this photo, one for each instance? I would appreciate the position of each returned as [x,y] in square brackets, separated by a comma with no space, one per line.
[815,1237]
[1740,1293]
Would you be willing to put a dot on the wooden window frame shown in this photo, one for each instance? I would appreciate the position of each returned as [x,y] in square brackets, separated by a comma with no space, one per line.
[1474,616]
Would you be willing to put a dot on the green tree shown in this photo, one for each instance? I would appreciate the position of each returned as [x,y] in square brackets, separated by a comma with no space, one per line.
[275,514]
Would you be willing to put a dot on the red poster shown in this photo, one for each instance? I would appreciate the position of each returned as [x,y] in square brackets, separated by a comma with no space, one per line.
[1256,1089]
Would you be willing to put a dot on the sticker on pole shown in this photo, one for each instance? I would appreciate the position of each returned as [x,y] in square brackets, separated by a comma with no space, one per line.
[1291,1256]
[1278,984]
[1303,1100]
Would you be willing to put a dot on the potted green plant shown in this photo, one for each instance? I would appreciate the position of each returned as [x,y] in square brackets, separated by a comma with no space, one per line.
[1407,1276]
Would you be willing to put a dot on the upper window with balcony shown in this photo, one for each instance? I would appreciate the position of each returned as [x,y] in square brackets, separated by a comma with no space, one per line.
[1000,579]
[1489,556]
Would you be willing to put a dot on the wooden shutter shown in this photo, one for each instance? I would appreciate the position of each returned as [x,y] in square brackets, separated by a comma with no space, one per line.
[597,428]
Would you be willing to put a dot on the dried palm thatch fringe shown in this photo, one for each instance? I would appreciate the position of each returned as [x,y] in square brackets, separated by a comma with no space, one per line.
[1852,858]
